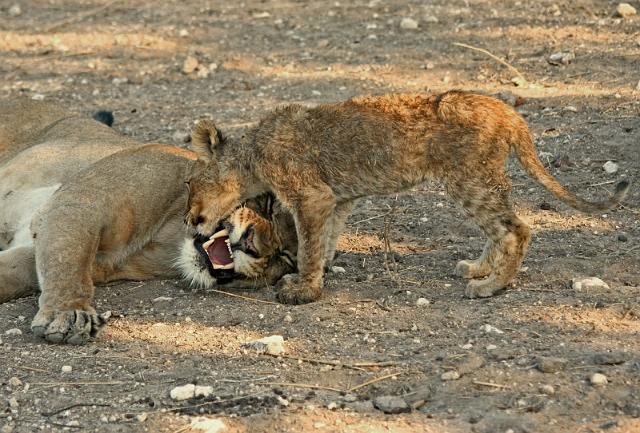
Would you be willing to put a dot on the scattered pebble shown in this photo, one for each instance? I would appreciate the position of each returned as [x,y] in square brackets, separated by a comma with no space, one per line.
[598,379]
[547,389]
[551,364]
[622,237]
[13,403]
[610,358]
[590,283]
[361,406]
[38,97]
[288,318]
[338,269]
[408,24]
[142,417]
[450,375]
[332,405]
[179,137]
[13,331]
[14,382]
[391,404]
[272,345]
[67,369]
[625,10]
[467,346]
[430,19]
[570,108]
[490,329]
[190,65]
[184,392]
[422,302]
[15,11]
[202,391]
[183,33]
[469,363]
[207,425]
[491,347]
[610,167]
[260,15]
[562,58]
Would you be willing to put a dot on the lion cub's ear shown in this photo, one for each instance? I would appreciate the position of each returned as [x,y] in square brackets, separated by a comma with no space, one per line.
[206,140]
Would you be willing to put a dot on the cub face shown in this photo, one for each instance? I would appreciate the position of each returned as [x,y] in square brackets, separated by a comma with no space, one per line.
[249,246]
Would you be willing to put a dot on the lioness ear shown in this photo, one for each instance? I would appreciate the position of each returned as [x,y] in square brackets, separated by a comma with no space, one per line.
[206,140]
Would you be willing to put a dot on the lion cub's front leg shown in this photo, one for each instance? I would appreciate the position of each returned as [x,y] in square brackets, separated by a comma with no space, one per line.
[311,215]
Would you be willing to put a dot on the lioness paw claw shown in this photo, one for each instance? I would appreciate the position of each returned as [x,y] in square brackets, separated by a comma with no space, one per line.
[291,291]
[70,326]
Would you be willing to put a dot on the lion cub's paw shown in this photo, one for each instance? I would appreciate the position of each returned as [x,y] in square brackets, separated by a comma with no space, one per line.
[292,291]
[70,326]
[482,288]
[471,269]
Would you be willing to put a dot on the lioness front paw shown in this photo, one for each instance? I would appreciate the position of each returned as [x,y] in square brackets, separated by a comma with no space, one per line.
[70,326]
[482,288]
[292,291]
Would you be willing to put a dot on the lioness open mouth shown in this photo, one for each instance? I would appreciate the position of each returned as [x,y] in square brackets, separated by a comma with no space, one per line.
[218,249]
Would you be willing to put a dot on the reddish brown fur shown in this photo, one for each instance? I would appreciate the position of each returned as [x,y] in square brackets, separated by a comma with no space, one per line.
[318,161]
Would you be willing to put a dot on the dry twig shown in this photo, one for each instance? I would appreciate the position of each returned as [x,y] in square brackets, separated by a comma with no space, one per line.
[494,57]
[302,385]
[78,18]
[372,381]
[247,298]
[493,385]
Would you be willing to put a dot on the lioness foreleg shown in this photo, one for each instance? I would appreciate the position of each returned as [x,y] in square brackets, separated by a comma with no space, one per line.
[65,255]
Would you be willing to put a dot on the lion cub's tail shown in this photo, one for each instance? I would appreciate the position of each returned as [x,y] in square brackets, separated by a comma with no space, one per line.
[525,151]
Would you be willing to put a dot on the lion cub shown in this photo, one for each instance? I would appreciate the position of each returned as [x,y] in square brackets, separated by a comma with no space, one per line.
[318,161]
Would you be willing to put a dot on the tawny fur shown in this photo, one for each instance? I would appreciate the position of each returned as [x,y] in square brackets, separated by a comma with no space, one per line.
[117,216]
[318,161]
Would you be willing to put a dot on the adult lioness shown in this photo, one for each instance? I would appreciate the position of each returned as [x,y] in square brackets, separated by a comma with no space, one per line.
[81,204]
[318,161]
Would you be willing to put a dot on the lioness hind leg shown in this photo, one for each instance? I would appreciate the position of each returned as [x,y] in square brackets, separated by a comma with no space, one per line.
[17,273]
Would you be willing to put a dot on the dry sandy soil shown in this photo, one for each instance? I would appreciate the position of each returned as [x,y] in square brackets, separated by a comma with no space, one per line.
[251,56]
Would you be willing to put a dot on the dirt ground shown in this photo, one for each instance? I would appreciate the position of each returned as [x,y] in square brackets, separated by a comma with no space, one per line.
[160,65]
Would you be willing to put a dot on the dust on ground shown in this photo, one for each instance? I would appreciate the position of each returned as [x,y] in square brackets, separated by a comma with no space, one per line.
[160,65]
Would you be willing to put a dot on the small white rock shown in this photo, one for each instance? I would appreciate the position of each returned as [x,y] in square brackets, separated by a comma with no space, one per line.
[207,425]
[184,392]
[408,24]
[625,10]
[272,345]
[162,298]
[562,57]
[590,283]
[338,269]
[66,369]
[13,331]
[598,379]
[547,389]
[202,391]
[430,19]
[183,33]
[13,403]
[332,406]
[288,318]
[610,167]
[38,97]
[190,64]
[142,417]
[450,375]
[15,10]
[422,302]
[490,329]
[15,382]
[467,346]
[491,347]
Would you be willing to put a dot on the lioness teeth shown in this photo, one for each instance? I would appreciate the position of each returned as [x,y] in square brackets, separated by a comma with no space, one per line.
[229,266]
[215,236]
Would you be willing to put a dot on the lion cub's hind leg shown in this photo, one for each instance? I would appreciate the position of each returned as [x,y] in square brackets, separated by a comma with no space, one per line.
[480,267]
[509,237]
